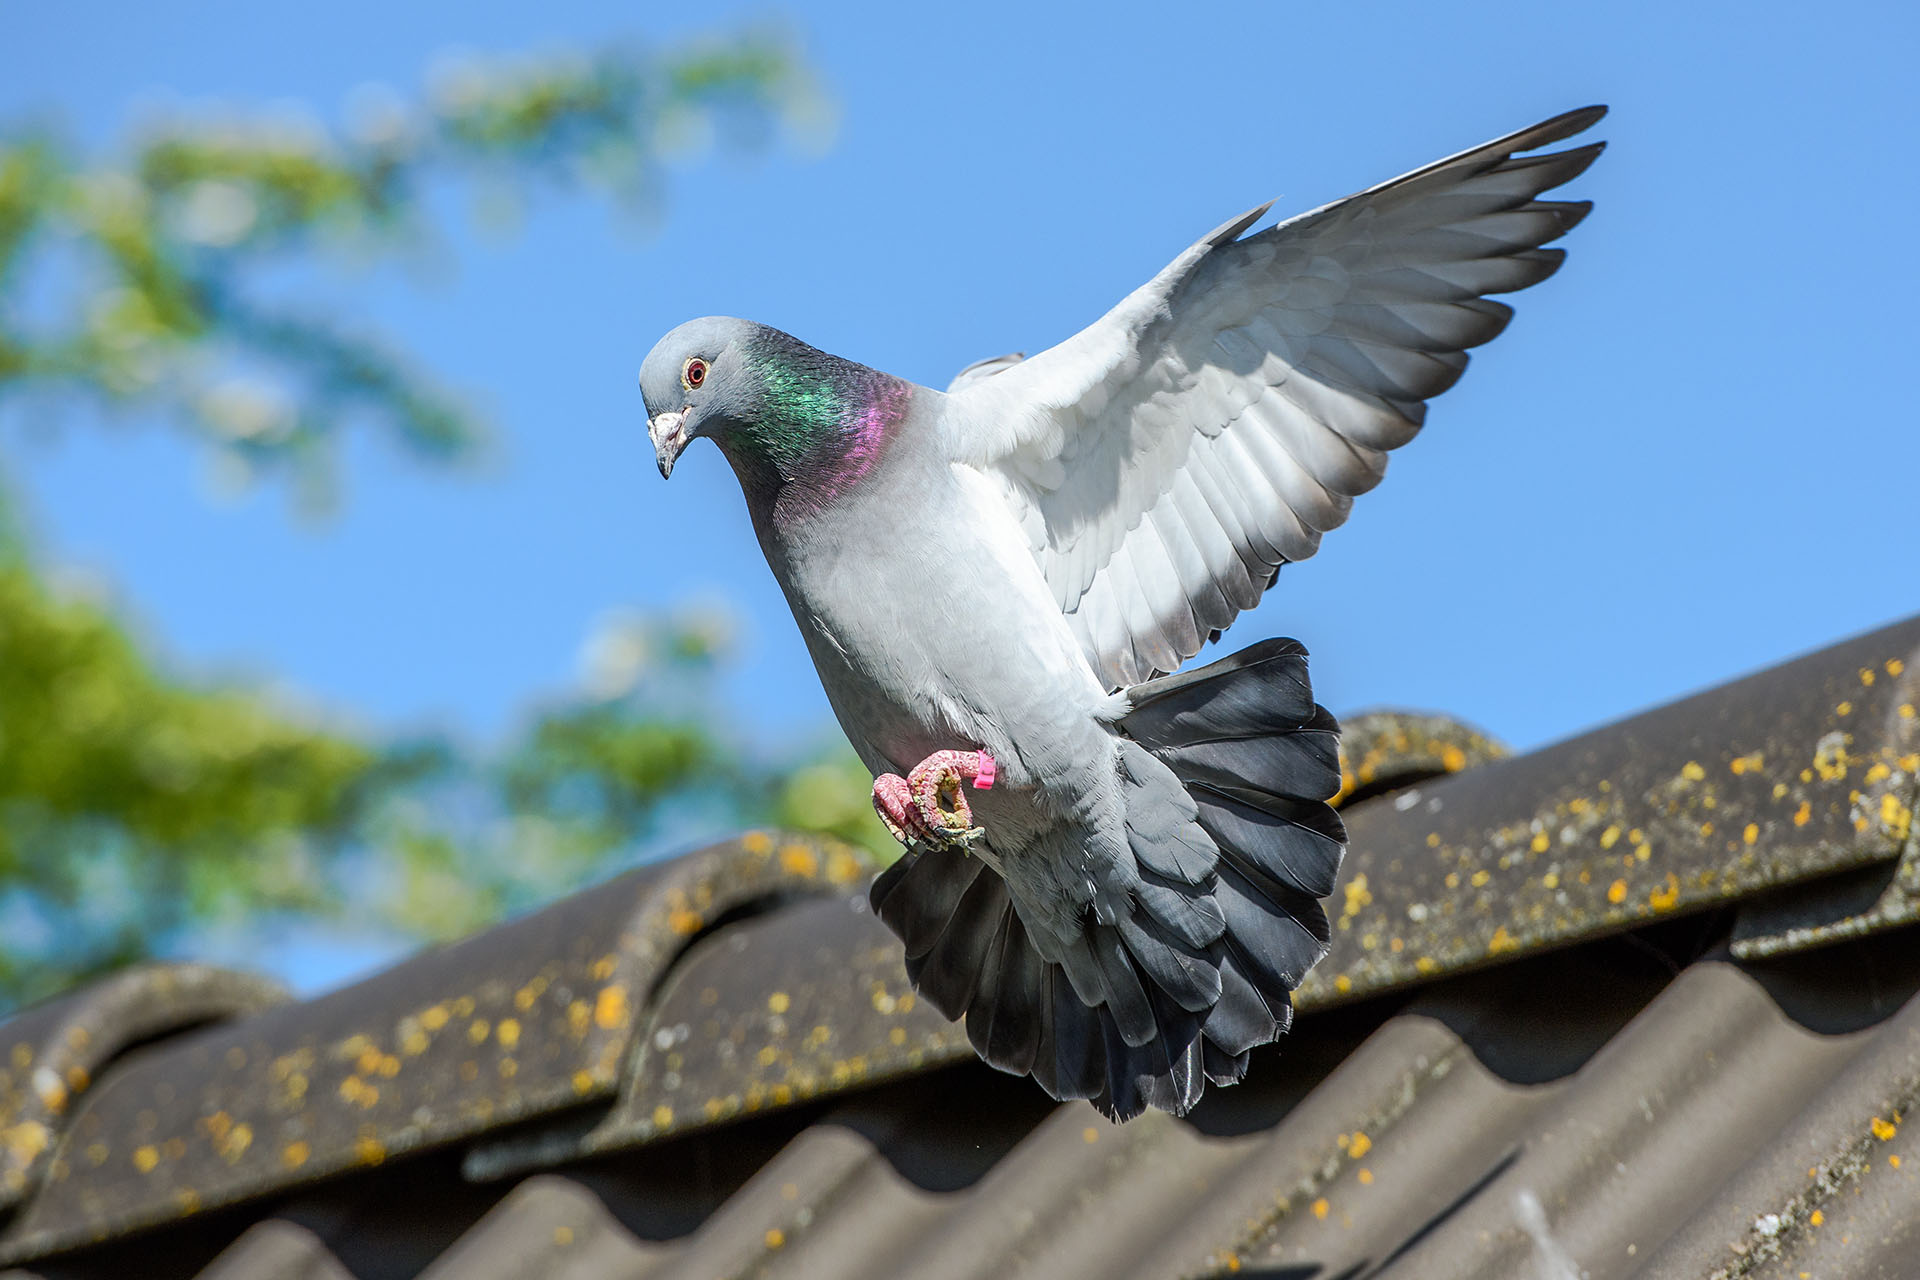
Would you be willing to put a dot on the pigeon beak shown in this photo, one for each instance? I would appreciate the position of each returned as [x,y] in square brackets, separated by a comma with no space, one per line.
[668,432]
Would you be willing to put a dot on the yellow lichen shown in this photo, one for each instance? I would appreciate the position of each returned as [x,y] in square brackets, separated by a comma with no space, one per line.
[1895,816]
[25,1140]
[798,860]
[1665,899]
[1358,896]
[235,1144]
[610,1006]
[1617,892]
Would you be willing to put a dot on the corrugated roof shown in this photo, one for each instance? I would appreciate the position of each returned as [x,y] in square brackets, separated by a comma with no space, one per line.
[1641,1003]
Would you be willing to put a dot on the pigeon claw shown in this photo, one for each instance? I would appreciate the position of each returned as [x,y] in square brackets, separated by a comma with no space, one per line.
[893,801]
[930,803]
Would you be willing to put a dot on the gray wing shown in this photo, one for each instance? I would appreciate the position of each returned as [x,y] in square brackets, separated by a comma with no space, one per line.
[1165,461]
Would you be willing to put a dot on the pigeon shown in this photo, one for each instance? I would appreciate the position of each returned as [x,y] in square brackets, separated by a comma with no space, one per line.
[1114,872]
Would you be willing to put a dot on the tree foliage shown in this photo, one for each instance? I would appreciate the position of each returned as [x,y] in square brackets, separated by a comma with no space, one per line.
[136,806]
[158,254]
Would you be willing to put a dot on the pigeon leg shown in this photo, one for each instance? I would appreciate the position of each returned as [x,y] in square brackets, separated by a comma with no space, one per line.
[916,808]
[941,777]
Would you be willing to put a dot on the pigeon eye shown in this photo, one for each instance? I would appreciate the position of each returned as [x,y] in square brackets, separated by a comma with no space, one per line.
[693,373]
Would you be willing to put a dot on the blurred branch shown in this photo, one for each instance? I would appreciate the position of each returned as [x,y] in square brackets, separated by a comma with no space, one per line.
[144,272]
[134,806]
[129,803]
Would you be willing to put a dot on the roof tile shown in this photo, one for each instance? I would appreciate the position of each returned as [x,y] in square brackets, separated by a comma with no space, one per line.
[535,1015]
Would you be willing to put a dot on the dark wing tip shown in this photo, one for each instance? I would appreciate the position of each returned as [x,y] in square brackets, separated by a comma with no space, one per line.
[1549,131]
[1565,125]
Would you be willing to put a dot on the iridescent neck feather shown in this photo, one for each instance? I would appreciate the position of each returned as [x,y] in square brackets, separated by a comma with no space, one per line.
[822,424]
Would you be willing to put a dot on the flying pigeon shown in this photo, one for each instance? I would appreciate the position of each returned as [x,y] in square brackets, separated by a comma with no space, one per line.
[1114,873]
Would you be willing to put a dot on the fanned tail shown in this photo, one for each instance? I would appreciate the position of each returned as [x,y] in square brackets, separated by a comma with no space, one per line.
[1228,771]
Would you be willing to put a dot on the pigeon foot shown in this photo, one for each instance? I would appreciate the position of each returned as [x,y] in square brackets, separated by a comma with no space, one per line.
[930,803]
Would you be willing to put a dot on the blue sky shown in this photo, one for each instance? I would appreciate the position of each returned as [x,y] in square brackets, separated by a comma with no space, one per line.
[1691,454]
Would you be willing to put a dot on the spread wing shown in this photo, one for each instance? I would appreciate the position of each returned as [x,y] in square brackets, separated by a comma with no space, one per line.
[1165,461]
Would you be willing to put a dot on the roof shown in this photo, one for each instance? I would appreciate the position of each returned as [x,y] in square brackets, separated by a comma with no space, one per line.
[1639,1003]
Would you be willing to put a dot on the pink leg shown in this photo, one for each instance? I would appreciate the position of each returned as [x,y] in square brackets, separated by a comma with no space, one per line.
[912,807]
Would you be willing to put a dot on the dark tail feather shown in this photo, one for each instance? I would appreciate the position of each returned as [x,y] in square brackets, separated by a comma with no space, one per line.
[949,972]
[1009,1011]
[916,896]
[1253,762]
[1246,696]
[1228,772]
[1071,1061]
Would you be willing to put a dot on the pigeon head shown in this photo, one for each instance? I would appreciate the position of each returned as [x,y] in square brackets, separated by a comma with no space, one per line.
[799,426]
[697,381]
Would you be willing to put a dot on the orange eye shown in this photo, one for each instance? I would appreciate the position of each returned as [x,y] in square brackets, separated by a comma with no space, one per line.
[694,372]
